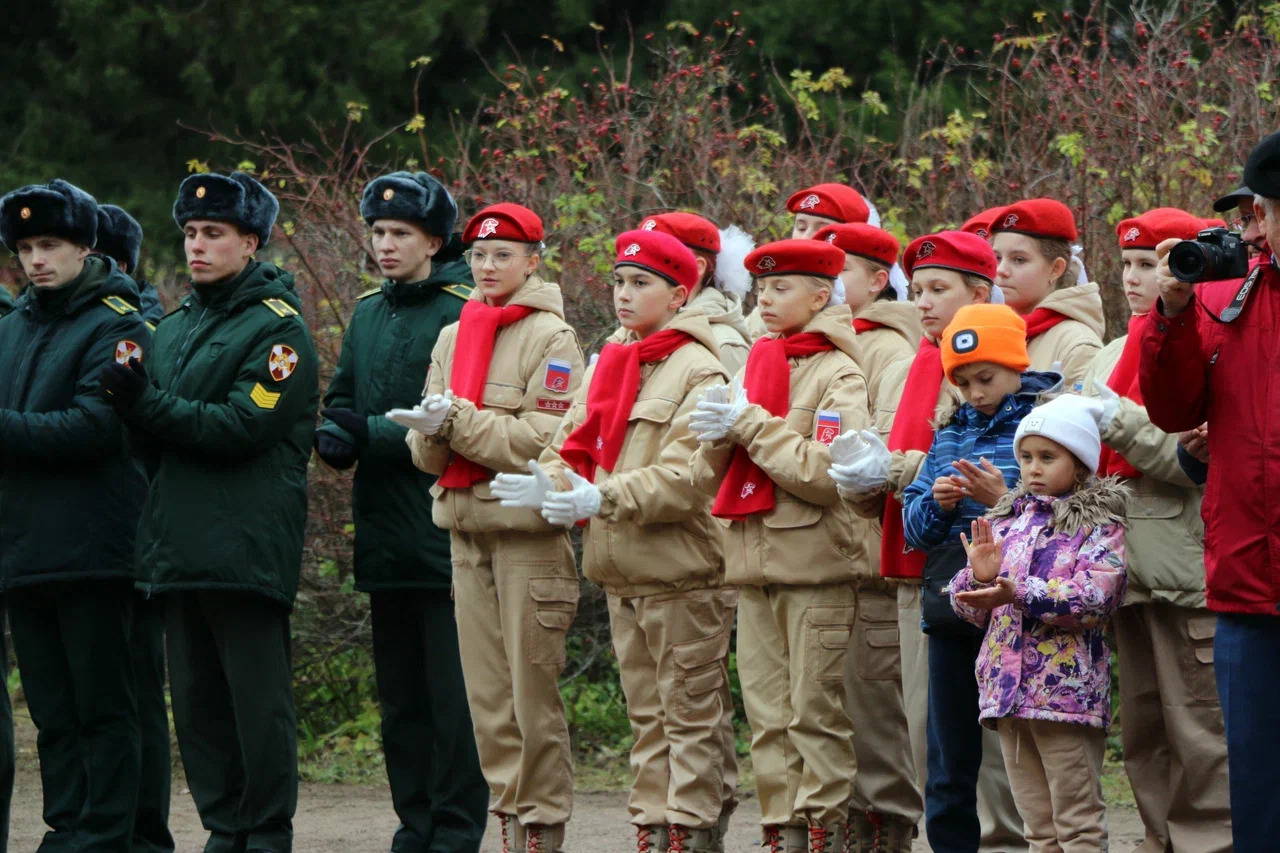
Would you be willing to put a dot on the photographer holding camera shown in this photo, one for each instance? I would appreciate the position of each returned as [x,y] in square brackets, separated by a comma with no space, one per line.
[1212,355]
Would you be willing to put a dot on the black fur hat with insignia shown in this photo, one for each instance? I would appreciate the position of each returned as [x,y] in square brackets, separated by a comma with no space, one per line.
[119,236]
[55,209]
[412,197]
[236,198]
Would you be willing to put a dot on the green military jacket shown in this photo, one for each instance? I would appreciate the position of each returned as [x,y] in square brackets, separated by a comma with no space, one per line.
[70,490]
[6,301]
[228,421]
[385,356]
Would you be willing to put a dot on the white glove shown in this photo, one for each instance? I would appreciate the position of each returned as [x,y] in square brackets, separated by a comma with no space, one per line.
[860,462]
[568,508]
[427,417]
[522,490]
[719,408]
[1110,406]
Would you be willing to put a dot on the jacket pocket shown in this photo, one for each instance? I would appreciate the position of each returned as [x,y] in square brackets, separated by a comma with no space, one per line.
[553,604]
[699,675]
[877,657]
[1155,506]
[648,423]
[789,514]
[827,628]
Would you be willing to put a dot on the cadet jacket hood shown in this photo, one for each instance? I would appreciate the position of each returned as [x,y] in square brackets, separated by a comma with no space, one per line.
[258,281]
[1104,501]
[1081,302]
[534,293]
[836,322]
[722,309]
[692,321]
[442,275]
[100,279]
[901,317]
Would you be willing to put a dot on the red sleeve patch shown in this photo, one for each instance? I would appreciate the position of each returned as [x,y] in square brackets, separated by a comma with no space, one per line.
[548,405]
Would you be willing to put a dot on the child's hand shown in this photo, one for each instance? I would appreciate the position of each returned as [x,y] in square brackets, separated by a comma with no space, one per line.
[946,493]
[985,485]
[991,597]
[985,552]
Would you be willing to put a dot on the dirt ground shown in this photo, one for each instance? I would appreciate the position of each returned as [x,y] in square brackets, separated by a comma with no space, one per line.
[359,819]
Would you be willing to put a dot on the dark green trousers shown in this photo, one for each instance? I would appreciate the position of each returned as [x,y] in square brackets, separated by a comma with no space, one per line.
[437,788]
[72,641]
[6,737]
[230,677]
[151,825]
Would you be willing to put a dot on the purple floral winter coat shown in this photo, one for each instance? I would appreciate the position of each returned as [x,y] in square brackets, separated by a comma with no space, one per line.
[1044,657]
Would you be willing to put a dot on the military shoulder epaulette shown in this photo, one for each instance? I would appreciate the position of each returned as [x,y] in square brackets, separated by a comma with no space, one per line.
[374,292]
[462,291]
[282,308]
[151,327]
[118,305]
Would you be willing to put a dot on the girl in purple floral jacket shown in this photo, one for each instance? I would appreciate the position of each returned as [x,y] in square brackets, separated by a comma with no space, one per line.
[1044,576]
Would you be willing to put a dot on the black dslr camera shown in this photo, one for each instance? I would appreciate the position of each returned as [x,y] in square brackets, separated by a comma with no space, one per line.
[1214,255]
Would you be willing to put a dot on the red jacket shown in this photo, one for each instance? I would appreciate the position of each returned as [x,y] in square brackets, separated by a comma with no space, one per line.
[1196,369]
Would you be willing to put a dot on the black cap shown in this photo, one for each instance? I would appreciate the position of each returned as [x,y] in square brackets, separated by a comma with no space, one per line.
[1262,170]
[1232,200]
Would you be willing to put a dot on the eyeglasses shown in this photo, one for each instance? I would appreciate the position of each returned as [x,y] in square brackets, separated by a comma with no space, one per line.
[500,260]
[1243,222]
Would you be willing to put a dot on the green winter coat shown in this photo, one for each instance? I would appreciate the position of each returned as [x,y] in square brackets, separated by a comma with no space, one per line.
[228,417]
[70,491]
[6,301]
[385,356]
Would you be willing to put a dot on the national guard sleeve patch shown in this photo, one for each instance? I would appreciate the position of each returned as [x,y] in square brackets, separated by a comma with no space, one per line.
[828,426]
[262,398]
[282,362]
[546,404]
[126,350]
[557,376]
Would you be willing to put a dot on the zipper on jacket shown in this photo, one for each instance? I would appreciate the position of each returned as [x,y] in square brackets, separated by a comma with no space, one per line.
[185,349]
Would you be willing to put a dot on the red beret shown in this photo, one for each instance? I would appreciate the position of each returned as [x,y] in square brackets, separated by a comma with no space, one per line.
[1038,217]
[504,222]
[796,257]
[831,201]
[1214,223]
[1155,226]
[689,228]
[951,250]
[980,223]
[658,253]
[865,241]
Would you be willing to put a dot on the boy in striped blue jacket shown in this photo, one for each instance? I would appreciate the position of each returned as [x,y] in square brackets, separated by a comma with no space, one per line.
[968,469]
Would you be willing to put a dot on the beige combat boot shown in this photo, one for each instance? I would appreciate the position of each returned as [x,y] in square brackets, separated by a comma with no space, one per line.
[652,839]
[513,835]
[543,839]
[685,840]
[827,839]
[722,827]
[873,832]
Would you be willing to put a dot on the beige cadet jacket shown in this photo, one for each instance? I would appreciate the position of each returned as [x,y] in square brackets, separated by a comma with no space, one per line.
[810,536]
[756,328]
[520,415]
[905,464]
[1075,342]
[1164,535]
[654,532]
[724,312]
[883,348]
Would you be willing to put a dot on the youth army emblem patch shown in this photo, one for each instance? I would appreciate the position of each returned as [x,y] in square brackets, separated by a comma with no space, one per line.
[282,362]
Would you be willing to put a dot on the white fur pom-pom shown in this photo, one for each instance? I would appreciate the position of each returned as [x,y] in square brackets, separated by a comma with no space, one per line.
[731,270]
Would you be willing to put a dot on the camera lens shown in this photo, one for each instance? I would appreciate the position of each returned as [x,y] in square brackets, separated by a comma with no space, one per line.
[1188,260]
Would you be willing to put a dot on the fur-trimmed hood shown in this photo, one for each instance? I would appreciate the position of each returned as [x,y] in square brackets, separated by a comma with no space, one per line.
[1102,501]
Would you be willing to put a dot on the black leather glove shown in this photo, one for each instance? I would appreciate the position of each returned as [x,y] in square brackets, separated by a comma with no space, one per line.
[334,451]
[356,424]
[122,385]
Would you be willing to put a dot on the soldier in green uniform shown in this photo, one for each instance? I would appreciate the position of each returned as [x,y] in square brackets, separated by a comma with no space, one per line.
[70,497]
[227,408]
[120,238]
[401,557]
[6,300]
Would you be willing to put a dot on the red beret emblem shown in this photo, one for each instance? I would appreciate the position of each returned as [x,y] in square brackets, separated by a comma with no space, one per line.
[1010,220]
[766,263]
[926,250]
[810,202]
[489,226]
[831,238]
[983,233]
[633,249]
[1131,235]
[650,224]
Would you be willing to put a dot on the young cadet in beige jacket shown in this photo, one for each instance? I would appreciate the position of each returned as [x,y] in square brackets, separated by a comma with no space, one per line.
[722,282]
[887,803]
[621,462]
[792,545]
[1175,749]
[500,382]
[948,271]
